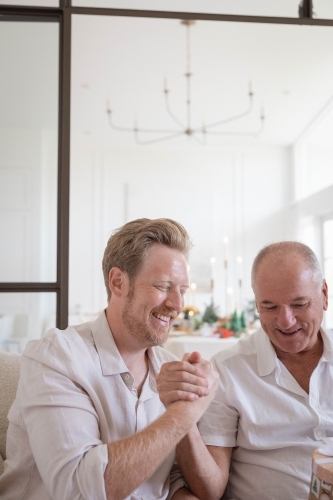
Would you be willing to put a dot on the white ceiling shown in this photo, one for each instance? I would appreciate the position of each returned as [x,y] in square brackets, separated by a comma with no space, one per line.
[126,59]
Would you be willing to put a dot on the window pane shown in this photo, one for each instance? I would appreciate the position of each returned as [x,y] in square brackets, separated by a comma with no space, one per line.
[28,150]
[283,8]
[328,271]
[323,9]
[328,239]
[328,268]
[23,317]
[33,3]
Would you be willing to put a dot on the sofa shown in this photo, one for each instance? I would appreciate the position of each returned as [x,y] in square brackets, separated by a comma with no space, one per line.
[9,375]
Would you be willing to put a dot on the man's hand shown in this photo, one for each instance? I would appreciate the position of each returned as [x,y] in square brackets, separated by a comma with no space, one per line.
[186,380]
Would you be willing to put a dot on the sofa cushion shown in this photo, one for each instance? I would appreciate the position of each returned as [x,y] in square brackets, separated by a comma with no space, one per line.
[9,375]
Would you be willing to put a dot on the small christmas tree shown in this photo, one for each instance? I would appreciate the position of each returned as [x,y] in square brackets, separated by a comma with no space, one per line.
[210,315]
[243,321]
[235,324]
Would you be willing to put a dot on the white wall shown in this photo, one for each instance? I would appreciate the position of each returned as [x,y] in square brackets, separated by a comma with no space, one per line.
[313,172]
[240,191]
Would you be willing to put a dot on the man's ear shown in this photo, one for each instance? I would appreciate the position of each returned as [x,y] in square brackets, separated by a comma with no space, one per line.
[325,293]
[118,282]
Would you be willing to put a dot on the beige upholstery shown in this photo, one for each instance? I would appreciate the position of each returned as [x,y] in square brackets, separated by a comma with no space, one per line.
[9,375]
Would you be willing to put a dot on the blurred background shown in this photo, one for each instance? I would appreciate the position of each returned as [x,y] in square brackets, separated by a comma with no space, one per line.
[247,163]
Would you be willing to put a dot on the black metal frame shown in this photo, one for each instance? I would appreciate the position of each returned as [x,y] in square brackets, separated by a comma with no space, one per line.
[63,14]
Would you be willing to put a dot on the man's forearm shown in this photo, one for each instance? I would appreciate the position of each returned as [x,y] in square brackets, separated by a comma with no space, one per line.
[205,478]
[183,494]
[133,460]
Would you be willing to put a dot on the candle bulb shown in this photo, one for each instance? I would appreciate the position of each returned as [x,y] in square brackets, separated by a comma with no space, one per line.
[240,271]
[165,82]
[226,250]
[188,298]
[240,281]
[212,265]
[230,293]
[193,288]
[212,276]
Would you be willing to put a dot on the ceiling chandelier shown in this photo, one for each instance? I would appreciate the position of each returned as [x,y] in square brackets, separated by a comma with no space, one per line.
[185,127]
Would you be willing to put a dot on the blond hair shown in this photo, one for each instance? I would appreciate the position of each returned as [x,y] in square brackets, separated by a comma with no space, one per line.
[128,245]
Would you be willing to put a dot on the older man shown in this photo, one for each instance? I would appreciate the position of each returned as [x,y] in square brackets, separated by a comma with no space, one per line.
[274,402]
[87,422]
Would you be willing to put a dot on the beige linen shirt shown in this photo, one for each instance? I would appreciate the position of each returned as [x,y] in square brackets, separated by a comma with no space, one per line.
[74,396]
[272,424]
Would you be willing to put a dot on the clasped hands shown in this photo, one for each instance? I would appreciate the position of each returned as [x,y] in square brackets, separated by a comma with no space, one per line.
[191,379]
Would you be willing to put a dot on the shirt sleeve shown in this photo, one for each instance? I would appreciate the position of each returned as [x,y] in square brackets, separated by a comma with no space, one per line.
[62,426]
[218,426]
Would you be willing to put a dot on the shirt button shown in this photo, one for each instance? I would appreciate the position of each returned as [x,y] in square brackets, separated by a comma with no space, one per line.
[127,376]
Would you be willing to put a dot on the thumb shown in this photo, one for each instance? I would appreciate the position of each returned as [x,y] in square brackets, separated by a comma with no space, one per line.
[194,357]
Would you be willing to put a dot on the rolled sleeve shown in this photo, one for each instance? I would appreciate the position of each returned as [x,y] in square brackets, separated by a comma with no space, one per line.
[218,426]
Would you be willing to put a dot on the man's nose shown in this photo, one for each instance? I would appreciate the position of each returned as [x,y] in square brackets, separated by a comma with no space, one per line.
[286,318]
[175,300]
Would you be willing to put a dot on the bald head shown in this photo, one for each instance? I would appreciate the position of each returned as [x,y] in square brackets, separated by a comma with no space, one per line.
[281,254]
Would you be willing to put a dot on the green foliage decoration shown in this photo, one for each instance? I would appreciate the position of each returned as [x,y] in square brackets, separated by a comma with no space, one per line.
[210,315]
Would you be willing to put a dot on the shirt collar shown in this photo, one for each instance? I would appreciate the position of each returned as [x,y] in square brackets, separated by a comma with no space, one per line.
[266,355]
[327,336]
[110,358]
[267,359]
[111,361]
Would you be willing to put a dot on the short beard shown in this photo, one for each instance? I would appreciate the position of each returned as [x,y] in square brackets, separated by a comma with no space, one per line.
[141,332]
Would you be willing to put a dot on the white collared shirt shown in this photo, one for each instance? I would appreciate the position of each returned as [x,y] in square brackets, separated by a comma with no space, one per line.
[270,421]
[75,395]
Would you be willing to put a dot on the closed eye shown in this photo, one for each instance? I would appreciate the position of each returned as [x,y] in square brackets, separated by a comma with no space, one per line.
[299,306]
[163,288]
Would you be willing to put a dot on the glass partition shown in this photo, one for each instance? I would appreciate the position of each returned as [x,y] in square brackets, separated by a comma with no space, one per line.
[323,9]
[29,58]
[23,317]
[32,3]
[283,8]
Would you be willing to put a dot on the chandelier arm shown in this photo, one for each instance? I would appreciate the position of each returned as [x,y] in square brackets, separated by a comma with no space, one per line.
[256,133]
[167,105]
[231,118]
[115,127]
[157,131]
[160,139]
[143,130]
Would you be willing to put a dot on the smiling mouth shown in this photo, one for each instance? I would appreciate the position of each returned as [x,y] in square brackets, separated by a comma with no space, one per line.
[289,333]
[166,319]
